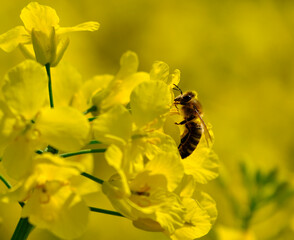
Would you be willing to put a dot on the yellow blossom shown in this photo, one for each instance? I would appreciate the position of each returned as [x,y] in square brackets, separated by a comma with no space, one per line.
[149,101]
[32,125]
[117,127]
[148,198]
[41,30]
[118,90]
[52,200]
[160,71]
[200,212]
[203,163]
[66,82]
[197,222]
[82,99]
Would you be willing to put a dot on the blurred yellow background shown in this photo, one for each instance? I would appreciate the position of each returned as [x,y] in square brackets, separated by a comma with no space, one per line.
[237,54]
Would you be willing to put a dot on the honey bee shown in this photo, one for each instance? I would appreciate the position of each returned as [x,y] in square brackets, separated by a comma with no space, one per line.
[191,110]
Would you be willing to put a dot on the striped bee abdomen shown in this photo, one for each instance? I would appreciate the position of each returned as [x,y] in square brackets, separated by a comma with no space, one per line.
[190,138]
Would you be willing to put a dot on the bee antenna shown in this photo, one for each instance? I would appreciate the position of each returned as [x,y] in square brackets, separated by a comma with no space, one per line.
[177,88]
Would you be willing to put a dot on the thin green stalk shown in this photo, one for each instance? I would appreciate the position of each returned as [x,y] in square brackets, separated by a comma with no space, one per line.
[7,184]
[51,150]
[95,179]
[91,109]
[91,119]
[93,209]
[22,229]
[85,151]
[39,152]
[47,66]
[95,142]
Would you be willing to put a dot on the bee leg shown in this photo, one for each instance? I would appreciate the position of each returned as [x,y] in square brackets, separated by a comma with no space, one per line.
[181,123]
[186,120]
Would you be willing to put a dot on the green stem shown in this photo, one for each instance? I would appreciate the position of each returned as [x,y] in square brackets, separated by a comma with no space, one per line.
[7,184]
[91,119]
[94,142]
[47,66]
[93,209]
[85,151]
[95,179]
[22,230]
[91,109]
[51,150]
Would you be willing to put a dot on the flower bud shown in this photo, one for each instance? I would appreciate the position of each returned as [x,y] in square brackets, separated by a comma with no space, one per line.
[44,46]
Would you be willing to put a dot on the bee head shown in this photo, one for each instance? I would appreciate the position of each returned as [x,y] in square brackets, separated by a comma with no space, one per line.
[185,98]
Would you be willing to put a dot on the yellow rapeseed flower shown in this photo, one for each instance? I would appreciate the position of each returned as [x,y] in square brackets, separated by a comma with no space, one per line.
[52,199]
[28,124]
[41,30]
[199,217]
[147,197]
[118,90]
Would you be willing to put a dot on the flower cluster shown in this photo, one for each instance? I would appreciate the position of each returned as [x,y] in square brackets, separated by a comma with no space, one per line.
[43,145]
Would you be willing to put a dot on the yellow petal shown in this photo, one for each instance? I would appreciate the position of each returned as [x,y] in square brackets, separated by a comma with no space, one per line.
[174,78]
[171,129]
[39,17]
[17,157]
[207,203]
[118,198]
[128,64]
[25,88]
[159,71]
[158,203]
[202,164]
[157,142]
[120,90]
[44,45]
[64,128]
[197,223]
[50,167]
[66,81]
[149,100]
[7,127]
[114,157]
[170,214]
[86,26]
[170,166]
[59,210]
[97,84]
[187,187]
[114,125]
[28,51]
[12,38]
[134,156]
[148,224]
[62,45]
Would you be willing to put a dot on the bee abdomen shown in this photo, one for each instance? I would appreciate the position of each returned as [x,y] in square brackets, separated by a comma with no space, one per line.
[191,139]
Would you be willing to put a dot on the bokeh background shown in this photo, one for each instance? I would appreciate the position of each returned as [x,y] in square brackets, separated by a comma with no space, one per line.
[239,56]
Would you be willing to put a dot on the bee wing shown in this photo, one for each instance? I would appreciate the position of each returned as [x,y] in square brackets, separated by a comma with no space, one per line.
[206,132]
